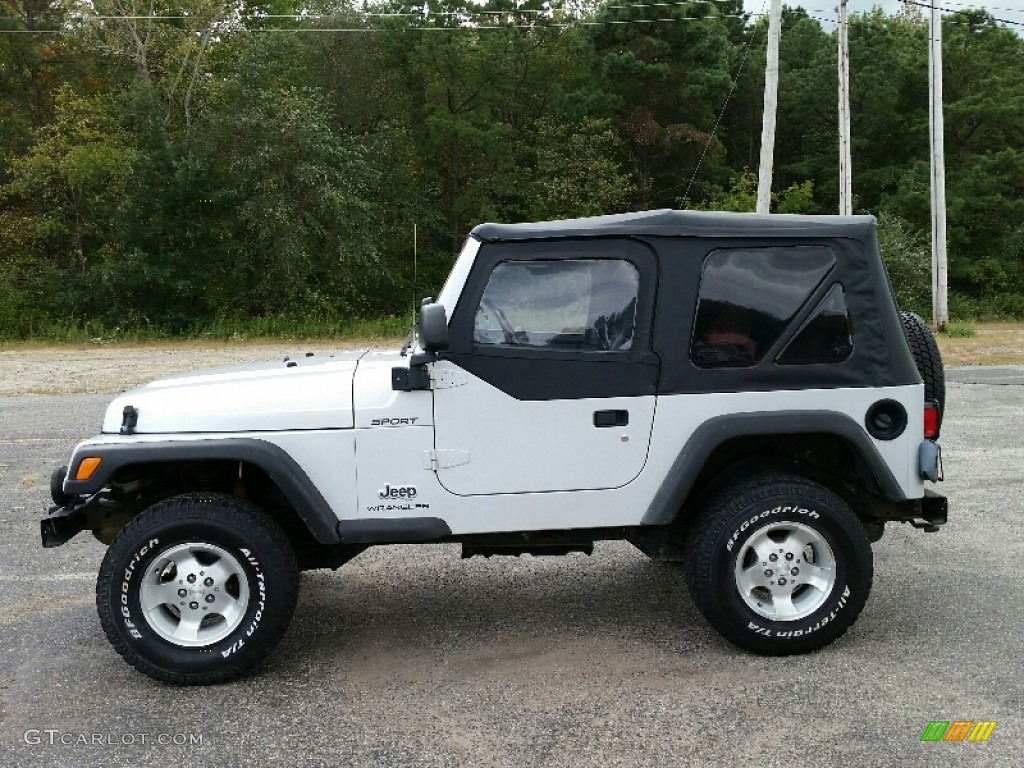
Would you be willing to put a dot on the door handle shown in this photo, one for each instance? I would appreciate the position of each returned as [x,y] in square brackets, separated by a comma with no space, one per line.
[611,418]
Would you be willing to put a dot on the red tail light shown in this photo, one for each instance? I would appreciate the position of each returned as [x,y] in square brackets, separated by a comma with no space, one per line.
[931,421]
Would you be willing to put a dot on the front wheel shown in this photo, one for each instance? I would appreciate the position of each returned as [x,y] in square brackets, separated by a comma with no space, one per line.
[779,565]
[197,589]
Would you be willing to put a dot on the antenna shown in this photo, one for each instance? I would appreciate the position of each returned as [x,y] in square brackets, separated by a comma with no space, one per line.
[415,270]
[412,328]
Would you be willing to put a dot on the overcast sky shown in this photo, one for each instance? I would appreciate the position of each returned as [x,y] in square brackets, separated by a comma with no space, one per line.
[1011,10]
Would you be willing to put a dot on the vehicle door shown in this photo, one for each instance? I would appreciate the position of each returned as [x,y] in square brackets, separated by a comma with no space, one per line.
[549,383]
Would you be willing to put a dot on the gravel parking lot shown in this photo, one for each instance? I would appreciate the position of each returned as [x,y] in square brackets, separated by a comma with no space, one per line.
[409,656]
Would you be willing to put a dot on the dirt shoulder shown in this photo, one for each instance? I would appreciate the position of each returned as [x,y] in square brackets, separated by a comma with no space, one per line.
[991,344]
[103,369]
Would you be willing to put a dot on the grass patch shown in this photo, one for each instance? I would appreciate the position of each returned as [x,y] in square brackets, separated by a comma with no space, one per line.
[960,330]
[989,344]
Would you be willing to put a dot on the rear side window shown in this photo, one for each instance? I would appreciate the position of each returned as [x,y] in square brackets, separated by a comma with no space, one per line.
[748,296]
[570,304]
[825,337]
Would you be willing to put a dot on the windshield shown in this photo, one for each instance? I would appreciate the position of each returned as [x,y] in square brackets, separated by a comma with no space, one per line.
[457,278]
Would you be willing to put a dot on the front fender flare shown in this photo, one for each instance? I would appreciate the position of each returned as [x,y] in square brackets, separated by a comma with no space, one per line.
[277,463]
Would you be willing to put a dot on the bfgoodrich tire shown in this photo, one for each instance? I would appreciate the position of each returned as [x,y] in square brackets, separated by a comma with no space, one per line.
[779,565]
[197,589]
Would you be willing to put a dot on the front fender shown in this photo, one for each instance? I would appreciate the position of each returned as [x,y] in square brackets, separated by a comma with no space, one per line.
[277,463]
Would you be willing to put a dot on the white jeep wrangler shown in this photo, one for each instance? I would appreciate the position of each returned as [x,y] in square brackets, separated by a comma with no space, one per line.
[734,391]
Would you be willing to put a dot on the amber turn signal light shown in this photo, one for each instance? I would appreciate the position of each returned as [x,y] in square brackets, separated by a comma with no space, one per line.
[87,468]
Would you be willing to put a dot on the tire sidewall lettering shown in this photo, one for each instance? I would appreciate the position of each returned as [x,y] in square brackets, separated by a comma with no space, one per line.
[127,598]
[795,634]
[136,629]
[257,584]
[802,513]
[802,630]
[180,528]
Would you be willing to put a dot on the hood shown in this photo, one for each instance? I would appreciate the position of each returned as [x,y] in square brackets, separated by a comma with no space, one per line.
[300,393]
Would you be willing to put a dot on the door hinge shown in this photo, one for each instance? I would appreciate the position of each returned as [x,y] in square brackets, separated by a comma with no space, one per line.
[447,377]
[444,458]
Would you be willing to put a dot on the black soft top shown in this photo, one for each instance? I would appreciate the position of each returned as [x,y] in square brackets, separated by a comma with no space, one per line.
[681,240]
[672,223]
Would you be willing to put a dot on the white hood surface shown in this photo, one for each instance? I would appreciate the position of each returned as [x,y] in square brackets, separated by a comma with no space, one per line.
[297,393]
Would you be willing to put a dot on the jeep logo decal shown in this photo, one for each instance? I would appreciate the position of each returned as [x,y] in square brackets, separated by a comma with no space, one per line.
[390,491]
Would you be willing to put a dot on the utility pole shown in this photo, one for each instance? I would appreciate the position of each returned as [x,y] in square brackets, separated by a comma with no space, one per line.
[845,169]
[940,307]
[771,102]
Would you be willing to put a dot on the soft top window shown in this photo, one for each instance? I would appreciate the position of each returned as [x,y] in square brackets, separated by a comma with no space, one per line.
[748,296]
[826,337]
[570,304]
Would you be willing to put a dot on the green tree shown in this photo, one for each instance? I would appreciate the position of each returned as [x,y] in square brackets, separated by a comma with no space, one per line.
[473,87]
[295,200]
[888,101]
[742,196]
[78,167]
[907,256]
[662,74]
[578,172]
[984,112]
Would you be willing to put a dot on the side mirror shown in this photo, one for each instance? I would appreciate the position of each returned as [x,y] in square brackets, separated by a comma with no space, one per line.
[433,328]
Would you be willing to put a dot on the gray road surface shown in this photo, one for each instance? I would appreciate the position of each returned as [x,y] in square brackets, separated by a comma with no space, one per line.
[409,656]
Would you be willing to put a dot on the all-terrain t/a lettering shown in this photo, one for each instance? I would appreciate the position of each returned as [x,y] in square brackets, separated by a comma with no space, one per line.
[759,630]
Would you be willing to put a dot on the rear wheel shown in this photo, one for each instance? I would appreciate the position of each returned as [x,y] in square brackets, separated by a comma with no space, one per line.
[197,589]
[779,565]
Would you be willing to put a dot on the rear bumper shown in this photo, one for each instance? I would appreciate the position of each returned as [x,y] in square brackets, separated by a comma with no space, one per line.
[933,512]
[934,508]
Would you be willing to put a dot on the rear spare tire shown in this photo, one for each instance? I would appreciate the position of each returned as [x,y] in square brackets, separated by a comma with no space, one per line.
[926,358]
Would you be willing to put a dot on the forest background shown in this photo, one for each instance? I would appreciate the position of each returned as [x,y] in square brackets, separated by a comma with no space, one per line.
[231,168]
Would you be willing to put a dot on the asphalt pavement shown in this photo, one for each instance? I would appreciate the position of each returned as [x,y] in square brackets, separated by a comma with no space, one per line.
[410,656]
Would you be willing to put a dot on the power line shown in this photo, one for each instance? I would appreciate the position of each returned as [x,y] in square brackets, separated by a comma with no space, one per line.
[945,20]
[471,24]
[394,14]
[975,6]
[471,21]
[955,10]
[469,18]
[721,112]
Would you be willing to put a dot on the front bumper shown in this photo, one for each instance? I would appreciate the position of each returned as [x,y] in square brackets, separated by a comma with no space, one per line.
[62,523]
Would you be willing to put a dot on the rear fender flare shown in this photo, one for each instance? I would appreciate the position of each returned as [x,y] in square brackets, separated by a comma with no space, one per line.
[706,439]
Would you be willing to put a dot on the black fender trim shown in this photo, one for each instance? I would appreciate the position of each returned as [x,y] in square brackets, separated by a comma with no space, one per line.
[714,432]
[280,467]
[397,530]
